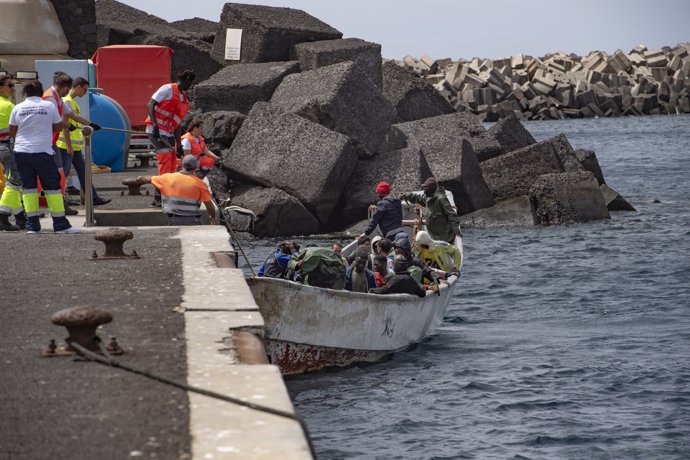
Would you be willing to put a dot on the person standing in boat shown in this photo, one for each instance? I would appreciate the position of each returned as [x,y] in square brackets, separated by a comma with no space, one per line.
[442,222]
[402,282]
[321,267]
[358,278]
[388,215]
[276,264]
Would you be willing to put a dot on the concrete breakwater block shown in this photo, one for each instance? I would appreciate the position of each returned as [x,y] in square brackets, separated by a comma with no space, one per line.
[510,134]
[403,169]
[367,55]
[189,54]
[567,197]
[277,212]
[279,149]
[614,201]
[342,98]
[411,97]
[268,33]
[221,126]
[517,211]
[237,88]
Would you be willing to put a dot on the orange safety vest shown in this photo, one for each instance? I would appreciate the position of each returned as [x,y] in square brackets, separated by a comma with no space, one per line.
[169,113]
[181,193]
[197,147]
[51,93]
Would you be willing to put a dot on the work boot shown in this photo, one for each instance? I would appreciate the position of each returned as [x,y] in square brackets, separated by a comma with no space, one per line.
[6,225]
[69,211]
[98,201]
[20,220]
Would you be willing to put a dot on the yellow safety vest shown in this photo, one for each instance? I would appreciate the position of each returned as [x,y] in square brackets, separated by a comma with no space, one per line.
[76,135]
[6,107]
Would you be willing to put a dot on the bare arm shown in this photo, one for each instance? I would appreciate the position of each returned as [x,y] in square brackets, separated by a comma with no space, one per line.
[75,117]
[211,212]
[13,131]
[152,113]
[208,153]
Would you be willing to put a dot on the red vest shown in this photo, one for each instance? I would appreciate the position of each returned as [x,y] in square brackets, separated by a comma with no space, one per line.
[51,93]
[197,147]
[169,113]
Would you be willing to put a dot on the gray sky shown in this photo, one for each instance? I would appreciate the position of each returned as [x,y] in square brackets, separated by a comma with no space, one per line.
[481,28]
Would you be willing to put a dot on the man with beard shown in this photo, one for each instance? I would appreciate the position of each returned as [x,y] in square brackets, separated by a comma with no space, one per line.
[442,222]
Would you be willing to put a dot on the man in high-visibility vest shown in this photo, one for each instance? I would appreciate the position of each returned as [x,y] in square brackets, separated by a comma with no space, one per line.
[166,109]
[11,200]
[62,83]
[71,140]
[182,194]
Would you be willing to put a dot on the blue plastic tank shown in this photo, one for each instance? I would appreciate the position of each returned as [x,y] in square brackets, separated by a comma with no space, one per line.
[108,148]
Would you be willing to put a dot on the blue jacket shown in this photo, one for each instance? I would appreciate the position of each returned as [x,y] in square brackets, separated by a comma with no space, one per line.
[275,265]
[388,217]
[371,279]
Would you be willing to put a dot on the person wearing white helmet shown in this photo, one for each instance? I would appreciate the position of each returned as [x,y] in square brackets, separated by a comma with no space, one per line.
[436,253]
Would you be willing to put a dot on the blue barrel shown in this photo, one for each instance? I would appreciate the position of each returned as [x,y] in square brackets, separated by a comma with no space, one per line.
[108,148]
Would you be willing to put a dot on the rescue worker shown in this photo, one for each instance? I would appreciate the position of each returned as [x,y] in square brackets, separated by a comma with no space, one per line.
[71,140]
[401,282]
[276,264]
[193,143]
[388,215]
[320,266]
[437,254]
[358,278]
[166,109]
[182,194]
[32,124]
[11,200]
[442,222]
[62,83]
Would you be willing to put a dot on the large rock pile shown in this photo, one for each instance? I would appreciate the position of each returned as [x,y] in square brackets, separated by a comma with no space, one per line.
[308,124]
[558,86]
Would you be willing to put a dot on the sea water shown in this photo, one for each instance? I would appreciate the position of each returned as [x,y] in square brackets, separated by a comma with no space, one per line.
[569,341]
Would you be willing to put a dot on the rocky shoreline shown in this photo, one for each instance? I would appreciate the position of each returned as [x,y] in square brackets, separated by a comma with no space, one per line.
[308,123]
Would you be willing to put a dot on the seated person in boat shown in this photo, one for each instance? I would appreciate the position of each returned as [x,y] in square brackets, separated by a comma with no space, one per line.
[416,268]
[388,215]
[386,247]
[436,253]
[401,282]
[338,249]
[358,278]
[320,267]
[442,221]
[381,271]
[276,264]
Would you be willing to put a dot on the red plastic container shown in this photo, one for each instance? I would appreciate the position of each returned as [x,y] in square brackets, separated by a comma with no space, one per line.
[130,74]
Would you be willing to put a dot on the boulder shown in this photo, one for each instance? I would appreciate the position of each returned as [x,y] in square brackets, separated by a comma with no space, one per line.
[512,174]
[237,88]
[510,134]
[279,149]
[222,126]
[565,153]
[342,98]
[588,160]
[219,182]
[268,33]
[516,211]
[411,96]
[312,55]
[452,162]
[403,169]
[567,197]
[277,212]
[188,54]
[614,201]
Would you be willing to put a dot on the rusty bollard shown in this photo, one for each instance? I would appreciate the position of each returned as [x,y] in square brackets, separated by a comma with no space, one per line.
[134,185]
[81,324]
[114,239]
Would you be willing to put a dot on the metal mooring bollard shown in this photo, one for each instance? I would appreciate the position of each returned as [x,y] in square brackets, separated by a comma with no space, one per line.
[81,324]
[134,185]
[114,239]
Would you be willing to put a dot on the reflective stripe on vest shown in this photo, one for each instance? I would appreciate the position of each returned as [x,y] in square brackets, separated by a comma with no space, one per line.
[180,193]
[4,132]
[76,136]
[169,113]
[197,147]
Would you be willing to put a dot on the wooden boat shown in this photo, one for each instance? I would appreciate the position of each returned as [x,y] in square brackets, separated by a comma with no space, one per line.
[309,328]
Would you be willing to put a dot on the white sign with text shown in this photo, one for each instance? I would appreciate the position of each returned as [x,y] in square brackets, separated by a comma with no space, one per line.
[233,44]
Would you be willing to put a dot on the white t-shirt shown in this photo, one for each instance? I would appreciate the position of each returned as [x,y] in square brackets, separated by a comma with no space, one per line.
[34,119]
[187,144]
[164,93]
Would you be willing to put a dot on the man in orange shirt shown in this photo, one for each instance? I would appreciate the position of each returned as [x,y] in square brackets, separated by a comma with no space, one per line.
[182,194]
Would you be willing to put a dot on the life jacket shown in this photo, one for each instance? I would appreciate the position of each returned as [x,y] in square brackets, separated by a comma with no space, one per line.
[47,95]
[272,268]
[169,113]
[76,135]
[197,147]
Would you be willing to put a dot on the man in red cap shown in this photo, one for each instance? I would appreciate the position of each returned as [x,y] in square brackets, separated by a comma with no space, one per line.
[442,221]
[388,214]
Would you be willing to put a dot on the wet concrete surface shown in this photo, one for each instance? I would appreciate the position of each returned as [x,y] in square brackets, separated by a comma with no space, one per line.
[62,408]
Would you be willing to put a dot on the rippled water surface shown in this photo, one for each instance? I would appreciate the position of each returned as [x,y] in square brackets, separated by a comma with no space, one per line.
[561,342]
